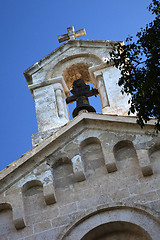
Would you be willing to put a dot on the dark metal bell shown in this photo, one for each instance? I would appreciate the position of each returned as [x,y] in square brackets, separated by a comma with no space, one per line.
[81,92]
[82,103]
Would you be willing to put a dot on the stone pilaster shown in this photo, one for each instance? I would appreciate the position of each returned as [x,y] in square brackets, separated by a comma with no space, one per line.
[109,159]
[102,90]
[78,168]
[16,200]
[144,162]
[51,108]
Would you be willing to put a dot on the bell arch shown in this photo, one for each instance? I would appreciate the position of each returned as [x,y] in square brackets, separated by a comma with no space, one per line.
[79,66]
[82,58]
[76,71]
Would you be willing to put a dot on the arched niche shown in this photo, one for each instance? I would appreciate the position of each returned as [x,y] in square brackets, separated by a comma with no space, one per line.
[63,173]
[126,157]
[119,230]
[92,157]
[136,222]
[154,155]
[32,187]
[33,196]
[6,219]
[5,206]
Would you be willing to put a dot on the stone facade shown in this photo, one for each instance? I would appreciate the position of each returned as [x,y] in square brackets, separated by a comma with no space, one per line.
[96,177]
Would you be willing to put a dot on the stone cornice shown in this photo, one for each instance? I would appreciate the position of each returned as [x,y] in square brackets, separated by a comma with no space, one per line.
[49,82]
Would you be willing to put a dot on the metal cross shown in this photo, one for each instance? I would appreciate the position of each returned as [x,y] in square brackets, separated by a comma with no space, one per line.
[72,34]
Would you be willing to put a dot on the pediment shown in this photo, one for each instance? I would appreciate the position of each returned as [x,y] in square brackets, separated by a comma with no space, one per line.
[105,128]
[94,50]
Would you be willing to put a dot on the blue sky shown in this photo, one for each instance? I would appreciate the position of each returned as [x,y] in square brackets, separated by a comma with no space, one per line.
[29,31]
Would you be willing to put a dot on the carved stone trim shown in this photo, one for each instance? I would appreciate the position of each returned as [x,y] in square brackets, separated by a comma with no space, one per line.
[49,194]
[47,82]
[78,168]
[144,162]
[109,159]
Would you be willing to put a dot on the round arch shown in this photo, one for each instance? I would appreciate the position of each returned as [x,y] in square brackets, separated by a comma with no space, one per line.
[30,185]
[76,71]
[5,206]
[122,230]
[132,218]
[81,58]
[89,140]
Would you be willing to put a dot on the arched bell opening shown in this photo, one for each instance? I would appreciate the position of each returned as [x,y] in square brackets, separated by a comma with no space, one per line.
[80,71]
[76,71]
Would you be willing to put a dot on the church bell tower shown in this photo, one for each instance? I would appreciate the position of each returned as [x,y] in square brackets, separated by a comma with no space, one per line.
[51,79]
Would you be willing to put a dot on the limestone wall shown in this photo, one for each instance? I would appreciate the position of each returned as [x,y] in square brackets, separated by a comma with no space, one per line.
[91,181]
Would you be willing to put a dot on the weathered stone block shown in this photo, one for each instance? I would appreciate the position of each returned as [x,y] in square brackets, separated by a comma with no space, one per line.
[42,226]
[18,218]
[78,168]
[68,208]
[144,162]
[49,194]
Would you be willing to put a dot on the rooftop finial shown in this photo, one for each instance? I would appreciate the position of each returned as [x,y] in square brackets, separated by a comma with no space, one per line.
[72,34]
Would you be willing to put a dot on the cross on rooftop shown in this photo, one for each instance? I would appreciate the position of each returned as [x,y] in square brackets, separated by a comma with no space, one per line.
[72,34]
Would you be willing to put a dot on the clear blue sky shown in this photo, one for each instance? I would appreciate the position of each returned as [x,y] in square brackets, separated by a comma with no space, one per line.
[29,30]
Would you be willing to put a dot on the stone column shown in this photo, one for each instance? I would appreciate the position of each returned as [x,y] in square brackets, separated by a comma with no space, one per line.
[60,102]
[118,102]
[102,90]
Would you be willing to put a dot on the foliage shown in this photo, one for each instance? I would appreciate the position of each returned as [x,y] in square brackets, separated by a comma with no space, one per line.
[139,63]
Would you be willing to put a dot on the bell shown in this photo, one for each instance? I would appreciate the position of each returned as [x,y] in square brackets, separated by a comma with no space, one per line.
[82,104]
[81,92]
